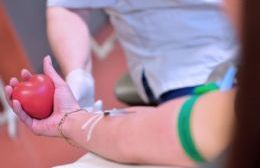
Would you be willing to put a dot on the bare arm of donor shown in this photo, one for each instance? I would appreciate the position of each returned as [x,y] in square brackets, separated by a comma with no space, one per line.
[150,135]
[147,136]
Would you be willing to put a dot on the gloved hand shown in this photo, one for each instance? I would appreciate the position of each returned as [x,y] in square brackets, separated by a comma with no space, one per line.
[82,86]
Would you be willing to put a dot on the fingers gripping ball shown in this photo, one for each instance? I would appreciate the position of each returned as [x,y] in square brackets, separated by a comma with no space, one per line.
[36,96]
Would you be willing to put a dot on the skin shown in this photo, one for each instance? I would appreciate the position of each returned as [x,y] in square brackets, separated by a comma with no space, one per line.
[69,38]
[233,9]
[141,137]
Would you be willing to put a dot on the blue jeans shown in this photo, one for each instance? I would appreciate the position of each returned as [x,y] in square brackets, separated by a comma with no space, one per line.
[166,96]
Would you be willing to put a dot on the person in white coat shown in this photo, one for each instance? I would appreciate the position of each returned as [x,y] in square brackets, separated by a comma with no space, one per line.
[171,46]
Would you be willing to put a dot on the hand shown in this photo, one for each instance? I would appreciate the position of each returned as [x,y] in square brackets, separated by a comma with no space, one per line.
[81,84]
[64,102]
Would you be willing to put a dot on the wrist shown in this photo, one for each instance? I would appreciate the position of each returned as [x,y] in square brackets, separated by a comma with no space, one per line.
[71,126]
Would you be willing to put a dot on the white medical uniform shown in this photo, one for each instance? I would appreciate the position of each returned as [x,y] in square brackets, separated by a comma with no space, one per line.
[176,43]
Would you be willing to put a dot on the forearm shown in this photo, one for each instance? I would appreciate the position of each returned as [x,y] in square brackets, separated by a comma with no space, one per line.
[150,134]
[69,39]
[146,136]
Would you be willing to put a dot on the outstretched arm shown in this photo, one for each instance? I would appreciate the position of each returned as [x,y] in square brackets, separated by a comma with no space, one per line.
[148,135]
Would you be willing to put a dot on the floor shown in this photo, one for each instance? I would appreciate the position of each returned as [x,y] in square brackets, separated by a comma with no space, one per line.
[30,151]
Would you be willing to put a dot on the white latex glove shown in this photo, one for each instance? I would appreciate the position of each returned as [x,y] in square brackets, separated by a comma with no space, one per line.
[82,86]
